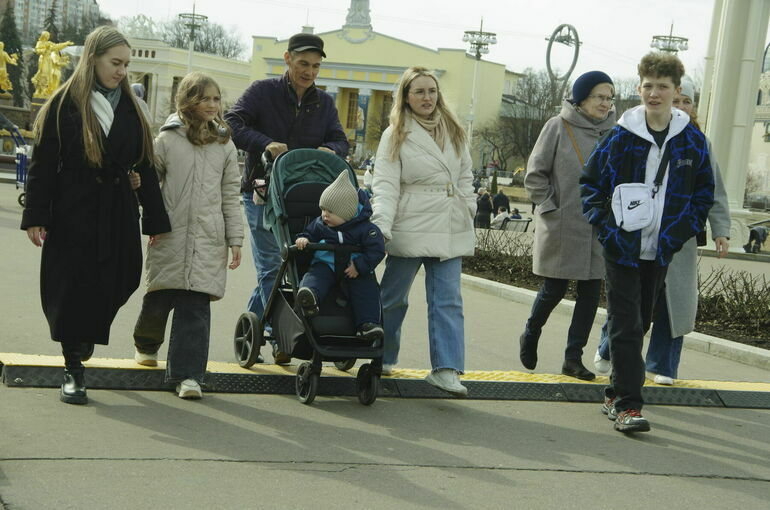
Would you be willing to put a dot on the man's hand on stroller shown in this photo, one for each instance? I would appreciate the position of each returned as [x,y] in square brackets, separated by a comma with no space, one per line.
[236,257]
[351,271]
[326,149]
[301,243]
[276,148]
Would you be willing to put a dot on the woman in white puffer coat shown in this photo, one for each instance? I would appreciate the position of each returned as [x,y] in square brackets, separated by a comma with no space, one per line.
[197,166]
[424,204]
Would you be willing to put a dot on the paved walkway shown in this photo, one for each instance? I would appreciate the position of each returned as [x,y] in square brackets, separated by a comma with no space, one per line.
[130,449]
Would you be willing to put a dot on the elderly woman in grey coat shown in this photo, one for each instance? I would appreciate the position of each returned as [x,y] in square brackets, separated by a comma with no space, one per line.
[566,247]
[676,310]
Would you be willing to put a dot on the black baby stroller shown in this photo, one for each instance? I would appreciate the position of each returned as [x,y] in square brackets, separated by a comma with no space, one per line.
[296,181]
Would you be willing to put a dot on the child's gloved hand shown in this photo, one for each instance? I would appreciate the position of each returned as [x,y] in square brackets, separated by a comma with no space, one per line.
[301,242]
[351,271]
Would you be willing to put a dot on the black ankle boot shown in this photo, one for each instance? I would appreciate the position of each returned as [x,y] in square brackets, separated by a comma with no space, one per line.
[73,390]
[575,368]
[528,350]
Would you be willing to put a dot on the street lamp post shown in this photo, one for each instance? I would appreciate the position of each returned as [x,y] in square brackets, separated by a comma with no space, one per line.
[193,21]
[479,45]
[669,43]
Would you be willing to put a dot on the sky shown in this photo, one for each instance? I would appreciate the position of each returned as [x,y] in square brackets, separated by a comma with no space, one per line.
[615,34]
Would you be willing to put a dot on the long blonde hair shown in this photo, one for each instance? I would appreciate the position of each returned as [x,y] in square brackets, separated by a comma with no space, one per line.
[190,93]
[400,108]
[78,89]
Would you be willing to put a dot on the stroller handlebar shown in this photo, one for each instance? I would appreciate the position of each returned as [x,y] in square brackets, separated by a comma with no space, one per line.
[346,248]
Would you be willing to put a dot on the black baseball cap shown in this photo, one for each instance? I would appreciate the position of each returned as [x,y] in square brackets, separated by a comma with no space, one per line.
[306,42]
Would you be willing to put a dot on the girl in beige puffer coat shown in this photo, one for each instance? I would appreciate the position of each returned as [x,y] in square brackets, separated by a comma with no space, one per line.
[186,269]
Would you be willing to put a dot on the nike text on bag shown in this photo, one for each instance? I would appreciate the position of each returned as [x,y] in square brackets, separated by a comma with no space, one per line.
[632,205]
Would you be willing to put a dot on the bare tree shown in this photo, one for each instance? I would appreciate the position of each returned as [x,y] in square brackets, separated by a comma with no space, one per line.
[626,95]
[524,113]
[211,38]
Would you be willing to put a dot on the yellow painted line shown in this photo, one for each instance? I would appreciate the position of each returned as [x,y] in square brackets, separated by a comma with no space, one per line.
[14,359]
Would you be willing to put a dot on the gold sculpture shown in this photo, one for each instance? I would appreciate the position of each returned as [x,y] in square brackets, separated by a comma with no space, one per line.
[5,58]
[49,64]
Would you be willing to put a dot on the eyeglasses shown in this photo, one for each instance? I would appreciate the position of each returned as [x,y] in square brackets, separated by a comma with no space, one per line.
[424,92]
[603,99]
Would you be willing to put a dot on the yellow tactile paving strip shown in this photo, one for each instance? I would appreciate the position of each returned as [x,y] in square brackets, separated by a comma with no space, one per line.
[471,375]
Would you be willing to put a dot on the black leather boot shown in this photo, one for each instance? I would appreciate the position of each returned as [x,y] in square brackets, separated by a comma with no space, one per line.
[575,368]
[73,390]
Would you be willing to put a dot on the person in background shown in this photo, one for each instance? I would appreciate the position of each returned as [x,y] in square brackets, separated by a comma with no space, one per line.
[565,246]
[515,215]
[483,209]
[138,90]
[424,205]
[677,307]
[499,219]
[81,206]
[500,200]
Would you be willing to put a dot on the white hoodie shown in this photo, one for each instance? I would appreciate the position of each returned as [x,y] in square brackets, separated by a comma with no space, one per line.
[635,121]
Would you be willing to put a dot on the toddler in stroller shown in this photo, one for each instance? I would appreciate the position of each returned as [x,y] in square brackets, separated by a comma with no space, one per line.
[331,322]
[344,219]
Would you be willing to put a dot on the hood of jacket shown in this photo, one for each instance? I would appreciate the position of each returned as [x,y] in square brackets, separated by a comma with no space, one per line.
[173,121]
[570,113]
[635,121]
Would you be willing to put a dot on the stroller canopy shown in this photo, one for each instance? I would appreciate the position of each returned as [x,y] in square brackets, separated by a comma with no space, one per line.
[300,166]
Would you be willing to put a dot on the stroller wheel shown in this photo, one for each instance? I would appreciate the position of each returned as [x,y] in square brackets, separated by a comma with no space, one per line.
[306,383]
[22,199]
[345,365]
[247,339]
[367,384]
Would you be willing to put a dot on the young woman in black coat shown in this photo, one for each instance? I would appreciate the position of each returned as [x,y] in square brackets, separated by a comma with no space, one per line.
[93,146]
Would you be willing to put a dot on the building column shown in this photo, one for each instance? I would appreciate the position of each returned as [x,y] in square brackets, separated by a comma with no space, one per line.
[363,111]
[732,102]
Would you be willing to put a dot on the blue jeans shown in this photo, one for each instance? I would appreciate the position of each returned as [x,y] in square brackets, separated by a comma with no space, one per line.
[550,294]
[663,352]
[446,333]
[267,257]
[188,349]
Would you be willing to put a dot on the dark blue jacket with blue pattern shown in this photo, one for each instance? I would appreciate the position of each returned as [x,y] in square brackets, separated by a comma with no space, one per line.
[621,157]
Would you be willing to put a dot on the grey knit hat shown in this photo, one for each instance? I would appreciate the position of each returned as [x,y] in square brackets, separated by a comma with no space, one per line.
[340,197]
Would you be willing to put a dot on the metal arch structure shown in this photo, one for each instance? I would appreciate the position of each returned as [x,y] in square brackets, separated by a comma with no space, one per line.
[564,34]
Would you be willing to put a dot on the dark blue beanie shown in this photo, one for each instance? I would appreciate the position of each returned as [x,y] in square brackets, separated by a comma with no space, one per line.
[585,83]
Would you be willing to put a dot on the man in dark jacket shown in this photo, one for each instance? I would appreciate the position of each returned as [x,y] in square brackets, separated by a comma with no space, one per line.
[655,145]
[500,200]
[277,115]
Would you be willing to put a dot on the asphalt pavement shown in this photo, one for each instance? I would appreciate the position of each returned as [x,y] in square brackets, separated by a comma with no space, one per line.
[130,449]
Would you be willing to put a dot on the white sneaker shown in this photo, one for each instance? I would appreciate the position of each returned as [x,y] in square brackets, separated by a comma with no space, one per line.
[663,379]
[189,388]
[147,360]
[603,366]
[387,369]
[446,379]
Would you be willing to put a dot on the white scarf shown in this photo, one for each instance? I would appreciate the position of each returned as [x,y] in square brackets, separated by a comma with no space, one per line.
[103,110]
